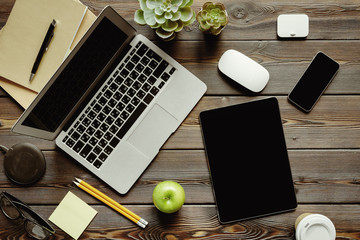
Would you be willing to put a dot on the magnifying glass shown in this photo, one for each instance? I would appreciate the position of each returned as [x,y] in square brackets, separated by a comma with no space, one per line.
[24,163]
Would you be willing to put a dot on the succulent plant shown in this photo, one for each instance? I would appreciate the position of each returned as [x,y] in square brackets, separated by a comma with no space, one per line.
[212,18]
[166,16]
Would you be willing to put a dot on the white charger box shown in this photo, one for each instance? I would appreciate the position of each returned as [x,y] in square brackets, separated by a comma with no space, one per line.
[293,25]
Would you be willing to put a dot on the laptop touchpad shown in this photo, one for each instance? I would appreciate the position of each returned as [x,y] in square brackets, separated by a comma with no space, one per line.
[153,131]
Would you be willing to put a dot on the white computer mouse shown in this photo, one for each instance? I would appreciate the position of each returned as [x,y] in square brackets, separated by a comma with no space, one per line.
[243,70]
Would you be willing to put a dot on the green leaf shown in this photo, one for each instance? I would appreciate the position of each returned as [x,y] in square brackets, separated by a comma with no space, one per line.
[149,17]
[204,26]
[180,26]
[158,11]
[186,14]
[164,34]
[143,5]
[176,16]
[192,19]
[189,3]
[176,2]
[169,26]
[168,15]
[152,4]
[139,17]
[160,19]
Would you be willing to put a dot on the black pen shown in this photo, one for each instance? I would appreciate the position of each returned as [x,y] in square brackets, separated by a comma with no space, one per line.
[49,35]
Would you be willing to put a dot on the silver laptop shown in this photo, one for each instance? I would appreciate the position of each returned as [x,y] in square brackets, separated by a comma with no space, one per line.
[113,102]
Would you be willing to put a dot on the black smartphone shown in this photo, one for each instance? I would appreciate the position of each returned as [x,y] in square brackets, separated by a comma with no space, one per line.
[314,81]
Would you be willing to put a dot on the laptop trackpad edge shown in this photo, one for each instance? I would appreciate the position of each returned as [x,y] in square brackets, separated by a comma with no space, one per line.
[153,130]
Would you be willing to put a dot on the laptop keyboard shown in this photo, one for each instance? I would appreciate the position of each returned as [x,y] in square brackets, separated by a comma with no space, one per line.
[117,105]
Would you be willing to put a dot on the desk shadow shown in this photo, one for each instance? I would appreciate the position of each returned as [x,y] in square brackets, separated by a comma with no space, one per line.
[237,86]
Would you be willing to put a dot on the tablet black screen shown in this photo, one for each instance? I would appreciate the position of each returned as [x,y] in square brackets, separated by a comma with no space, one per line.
[248,160]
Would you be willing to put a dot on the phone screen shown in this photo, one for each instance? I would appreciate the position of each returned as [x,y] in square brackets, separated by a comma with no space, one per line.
[313,82]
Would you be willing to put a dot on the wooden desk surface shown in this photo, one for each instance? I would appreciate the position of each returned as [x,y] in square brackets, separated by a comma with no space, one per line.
[323,146]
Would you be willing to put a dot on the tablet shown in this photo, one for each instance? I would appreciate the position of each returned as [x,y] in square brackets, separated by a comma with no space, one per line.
[248,161]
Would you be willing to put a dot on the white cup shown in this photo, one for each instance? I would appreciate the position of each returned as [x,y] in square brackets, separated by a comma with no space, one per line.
[314,227]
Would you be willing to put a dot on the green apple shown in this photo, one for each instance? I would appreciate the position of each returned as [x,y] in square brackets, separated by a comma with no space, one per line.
[168,196]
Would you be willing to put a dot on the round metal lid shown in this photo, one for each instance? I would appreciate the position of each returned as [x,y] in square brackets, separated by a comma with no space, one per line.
[24,163]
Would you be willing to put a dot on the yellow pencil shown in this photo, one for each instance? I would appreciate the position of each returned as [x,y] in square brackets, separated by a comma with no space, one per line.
[110,202]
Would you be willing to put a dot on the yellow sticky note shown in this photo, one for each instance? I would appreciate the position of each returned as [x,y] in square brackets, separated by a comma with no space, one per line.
[73,215]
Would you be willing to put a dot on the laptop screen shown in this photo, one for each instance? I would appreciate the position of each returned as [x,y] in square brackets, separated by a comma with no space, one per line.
[77,76]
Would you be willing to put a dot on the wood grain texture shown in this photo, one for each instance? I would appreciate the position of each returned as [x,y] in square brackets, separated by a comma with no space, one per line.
[334,123]
[197,222]
[323,146]
[319,177]
[249,19]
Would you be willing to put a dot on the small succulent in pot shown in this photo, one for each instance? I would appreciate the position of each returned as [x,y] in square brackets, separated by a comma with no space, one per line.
[212,18]
[166,16]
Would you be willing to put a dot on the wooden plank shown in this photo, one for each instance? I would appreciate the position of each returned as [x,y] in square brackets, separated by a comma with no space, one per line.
[197,221]
[319,176]
[334,117]
[248,19]
[286,61]
[257,20]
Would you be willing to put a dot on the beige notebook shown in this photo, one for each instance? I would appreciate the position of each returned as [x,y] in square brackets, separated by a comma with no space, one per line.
[25,96]
[24,33]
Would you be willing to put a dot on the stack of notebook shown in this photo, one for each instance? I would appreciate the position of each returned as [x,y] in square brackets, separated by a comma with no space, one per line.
[23,35]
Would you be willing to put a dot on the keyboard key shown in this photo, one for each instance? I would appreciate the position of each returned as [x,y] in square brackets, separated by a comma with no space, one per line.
[134,75]
[97,150]
[135,59]
[91,157]
[86,150]
[101,117]
[102,157]
[90,131]
[108,136]
[153,64]
[139,67]
[102,143]
[172,71]
[161,68]
[145,61]
[120,106]
[165,76]
[128,82]
[130,66]
[81,129]
[142,50]
[148,98]
[75,136]
[119,80]
[70,142]
[140,94]
[85,137]
[151,80]
[154,91]
[152,54]
[108,150]
[114,142]
[93,141]
[78,146]
[124,115]
[124,73]
[97,164]
[96,123]
[131,120]
[114,128]
[92,115]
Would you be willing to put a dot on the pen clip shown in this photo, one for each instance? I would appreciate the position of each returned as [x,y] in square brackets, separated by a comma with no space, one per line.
[48,42]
